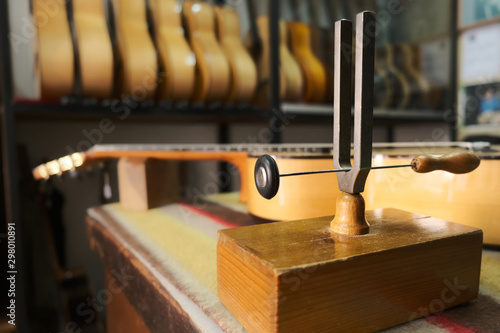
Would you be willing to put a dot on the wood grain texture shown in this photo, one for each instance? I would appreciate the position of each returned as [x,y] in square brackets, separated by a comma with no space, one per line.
[176,59]
[146,183]
[212,67]
[243,70]
[137,70]
[350,215]
[456,162]
[94,48]
[55,49]
[299,276]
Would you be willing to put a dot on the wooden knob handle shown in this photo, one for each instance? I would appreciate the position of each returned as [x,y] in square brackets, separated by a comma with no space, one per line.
[454,162]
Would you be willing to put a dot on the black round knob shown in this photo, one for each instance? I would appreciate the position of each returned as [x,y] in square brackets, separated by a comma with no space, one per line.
[267,176]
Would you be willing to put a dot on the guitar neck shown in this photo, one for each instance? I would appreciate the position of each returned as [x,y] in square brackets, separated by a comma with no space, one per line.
[225,152]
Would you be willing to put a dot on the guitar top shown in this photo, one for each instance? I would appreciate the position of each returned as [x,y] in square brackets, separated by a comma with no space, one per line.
[95,53]
[137,72]
[176,59]
[55,49]
[212,67]
[243,70]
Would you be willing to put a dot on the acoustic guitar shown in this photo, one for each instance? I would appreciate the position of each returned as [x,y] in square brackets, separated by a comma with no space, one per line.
[94,49]
[399,85]
[313,195]
[322,41]
[136,55]
[55,49]
[213,74]
[312,69]
[404,58]
[258,44]
[243,71]
[176,59]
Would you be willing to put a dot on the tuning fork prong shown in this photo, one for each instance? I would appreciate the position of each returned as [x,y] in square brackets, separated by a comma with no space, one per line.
[353,181]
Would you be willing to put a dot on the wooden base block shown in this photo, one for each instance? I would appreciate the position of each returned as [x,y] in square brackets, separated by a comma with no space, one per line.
[146,183]
[300,276]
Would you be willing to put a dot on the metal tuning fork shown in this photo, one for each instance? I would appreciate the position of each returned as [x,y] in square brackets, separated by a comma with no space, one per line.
[350,209]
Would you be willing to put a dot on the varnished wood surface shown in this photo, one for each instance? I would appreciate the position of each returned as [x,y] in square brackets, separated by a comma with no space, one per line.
[95,53]
[55,49]
[350,215]
[300,276]
[176,59]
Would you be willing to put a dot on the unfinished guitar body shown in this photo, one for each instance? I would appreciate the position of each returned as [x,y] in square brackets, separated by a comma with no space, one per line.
[212,67]
[313,71]
[55,49]
[137,73]
[243,71]
[177,60]
[299,276]
[94,48]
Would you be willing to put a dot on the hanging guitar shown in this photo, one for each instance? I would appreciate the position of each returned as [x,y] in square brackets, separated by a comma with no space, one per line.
[243,70]
[94,49]
[136,55]
[213,73]
[55,50]
[176,59]
[312,69]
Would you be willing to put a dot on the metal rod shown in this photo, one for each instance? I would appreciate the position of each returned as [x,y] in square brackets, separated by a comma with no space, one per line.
[343,170]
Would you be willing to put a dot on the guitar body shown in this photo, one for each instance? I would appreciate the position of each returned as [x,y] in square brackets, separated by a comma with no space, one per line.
[312,69]
[137,77]
[400,87]
[322,46]
[243,70]
[419,86]
[212,67]
[94,48]
[55,49]
[176,59]
[262,96]
[470,199]
[291,69]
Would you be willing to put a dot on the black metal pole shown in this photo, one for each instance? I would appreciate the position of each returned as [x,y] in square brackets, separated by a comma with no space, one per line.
[452,91]
[276,124]
[10,176]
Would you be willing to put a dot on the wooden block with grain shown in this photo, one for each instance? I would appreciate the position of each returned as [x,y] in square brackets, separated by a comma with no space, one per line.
[299,276]
[146,183]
